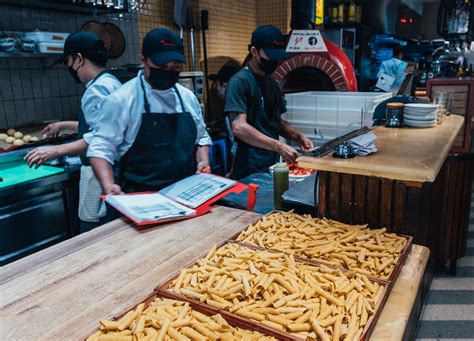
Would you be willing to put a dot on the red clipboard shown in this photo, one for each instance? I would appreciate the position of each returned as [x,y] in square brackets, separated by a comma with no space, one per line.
[200,210]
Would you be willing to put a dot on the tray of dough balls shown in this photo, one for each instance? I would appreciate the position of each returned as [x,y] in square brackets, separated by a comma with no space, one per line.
[28,136]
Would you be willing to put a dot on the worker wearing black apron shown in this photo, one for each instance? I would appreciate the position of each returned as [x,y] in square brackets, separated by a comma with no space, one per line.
[85,57]
[156,160]
[255,104]
[158,135]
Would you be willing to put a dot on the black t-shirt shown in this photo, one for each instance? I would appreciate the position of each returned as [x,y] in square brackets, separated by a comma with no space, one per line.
[260,98]
[244,94]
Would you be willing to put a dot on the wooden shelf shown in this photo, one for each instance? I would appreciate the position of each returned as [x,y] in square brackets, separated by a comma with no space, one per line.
[28,55]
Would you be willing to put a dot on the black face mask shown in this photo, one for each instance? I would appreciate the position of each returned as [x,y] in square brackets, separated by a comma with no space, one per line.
[74,74]
[163,79]
[267,66]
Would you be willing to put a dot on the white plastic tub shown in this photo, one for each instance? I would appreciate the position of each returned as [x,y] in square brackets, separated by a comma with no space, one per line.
[46,37]
[334,113]
[50,47]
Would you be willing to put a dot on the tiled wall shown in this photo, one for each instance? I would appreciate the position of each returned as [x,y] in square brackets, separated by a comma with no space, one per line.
[231,24]
[28,92]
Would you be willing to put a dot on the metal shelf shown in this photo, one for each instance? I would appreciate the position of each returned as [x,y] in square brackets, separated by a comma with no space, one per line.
[66,6]
[28,55]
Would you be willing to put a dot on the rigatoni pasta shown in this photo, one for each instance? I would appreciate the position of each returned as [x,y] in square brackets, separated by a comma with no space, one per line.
[166,319]
[273,289]
[355,247]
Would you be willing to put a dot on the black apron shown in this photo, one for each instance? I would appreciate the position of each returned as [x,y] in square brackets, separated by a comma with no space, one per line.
[83,127]
[250,159]
[163,152]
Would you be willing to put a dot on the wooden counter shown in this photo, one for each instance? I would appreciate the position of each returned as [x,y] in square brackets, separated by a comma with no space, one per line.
[412,185]
[62,292]
[407,154]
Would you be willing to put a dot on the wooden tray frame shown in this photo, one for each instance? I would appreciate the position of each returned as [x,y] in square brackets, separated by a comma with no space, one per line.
[392,278]
[203,308]
[163,290]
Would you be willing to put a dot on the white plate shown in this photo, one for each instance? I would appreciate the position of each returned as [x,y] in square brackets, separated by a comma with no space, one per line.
[421,106]
[420,124]
[420,118]
[419,112]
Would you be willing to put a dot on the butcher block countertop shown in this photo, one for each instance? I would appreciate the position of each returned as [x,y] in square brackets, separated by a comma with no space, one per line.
[62,292]
[406,154]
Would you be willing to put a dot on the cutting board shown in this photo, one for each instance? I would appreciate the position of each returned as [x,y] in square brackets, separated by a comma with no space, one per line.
[17,172]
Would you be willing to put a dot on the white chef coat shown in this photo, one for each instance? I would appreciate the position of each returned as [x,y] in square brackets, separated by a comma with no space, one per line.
[122,112]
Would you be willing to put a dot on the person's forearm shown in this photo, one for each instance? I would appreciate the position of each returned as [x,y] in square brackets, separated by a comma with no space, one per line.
[70,125]
[202,154]
[103,171]
[78,147]
[288,131]
[251,136]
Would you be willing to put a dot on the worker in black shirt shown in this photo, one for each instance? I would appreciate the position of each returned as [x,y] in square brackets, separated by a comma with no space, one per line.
[255,103]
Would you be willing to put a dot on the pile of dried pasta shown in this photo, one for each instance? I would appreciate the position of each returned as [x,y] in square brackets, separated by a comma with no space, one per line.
[273,289]
[166,319]
[355,247]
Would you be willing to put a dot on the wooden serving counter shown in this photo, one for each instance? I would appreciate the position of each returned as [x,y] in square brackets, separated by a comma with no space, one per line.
[411,185]
[62,292]
[407,154]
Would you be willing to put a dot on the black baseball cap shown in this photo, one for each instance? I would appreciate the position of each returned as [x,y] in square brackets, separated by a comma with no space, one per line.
[88,44]
[162,46]
[225,72]
[271,40]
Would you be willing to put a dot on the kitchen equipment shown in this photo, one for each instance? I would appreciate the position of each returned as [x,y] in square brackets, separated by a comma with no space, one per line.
[17,172]
[42,36]
[48,47]
[99,29]
[204,28]
[193,80]
[7,44]
[117,43]
[334,113]
[180,14]
[27,45]
[329,146]
[394,115]
[343,151]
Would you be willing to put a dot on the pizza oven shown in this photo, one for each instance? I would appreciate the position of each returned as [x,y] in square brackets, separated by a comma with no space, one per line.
[318,71]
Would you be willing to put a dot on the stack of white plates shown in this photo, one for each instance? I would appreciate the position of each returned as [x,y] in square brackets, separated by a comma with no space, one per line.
[420,115]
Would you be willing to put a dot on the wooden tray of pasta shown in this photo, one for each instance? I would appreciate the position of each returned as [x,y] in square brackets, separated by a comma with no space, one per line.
[160,318]
[273,289]
[373,252]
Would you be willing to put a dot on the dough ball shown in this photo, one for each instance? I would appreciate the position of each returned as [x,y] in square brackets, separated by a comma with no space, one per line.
[19,142]
[3,137]
[10,139]
[27,138]
[11,132]
[18,135]
[34,139]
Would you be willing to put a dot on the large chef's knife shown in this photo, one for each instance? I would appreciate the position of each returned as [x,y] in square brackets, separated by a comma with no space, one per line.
[329,146]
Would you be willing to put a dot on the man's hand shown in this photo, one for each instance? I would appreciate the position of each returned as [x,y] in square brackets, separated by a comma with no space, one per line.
[41,155]
[304,142]
[52,130]
[113,189]
[287,152]
[203,167]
